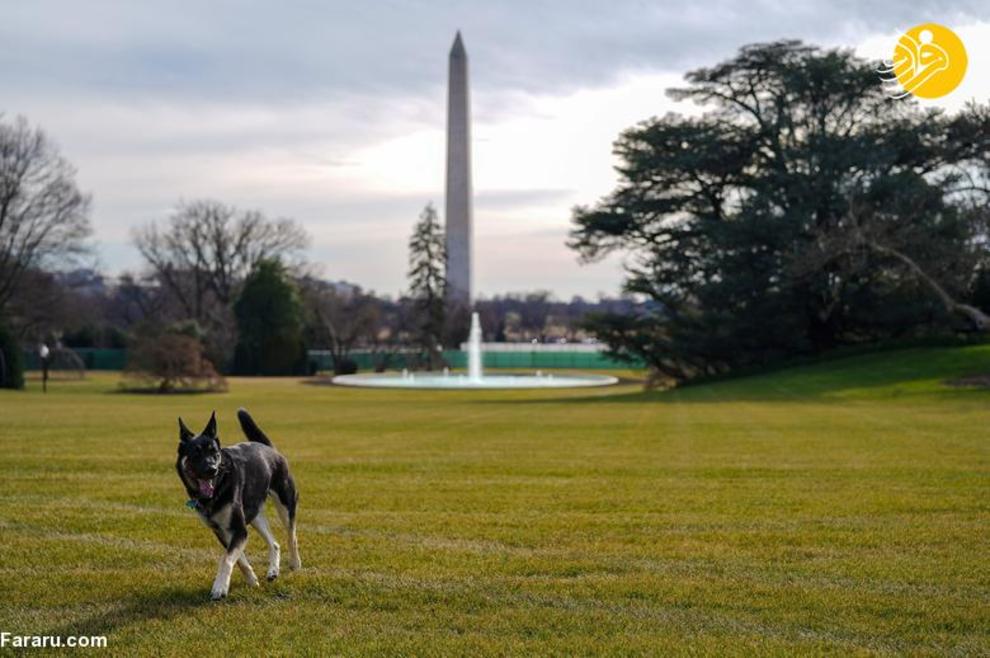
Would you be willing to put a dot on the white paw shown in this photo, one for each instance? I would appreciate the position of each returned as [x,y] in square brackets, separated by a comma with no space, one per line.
[272,574]
[217,593]
[295,564]
[253,581]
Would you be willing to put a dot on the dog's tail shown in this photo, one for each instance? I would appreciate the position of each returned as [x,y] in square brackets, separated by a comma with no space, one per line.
[251,429]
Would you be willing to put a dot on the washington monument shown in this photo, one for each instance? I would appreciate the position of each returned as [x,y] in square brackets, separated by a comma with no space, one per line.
[458,202]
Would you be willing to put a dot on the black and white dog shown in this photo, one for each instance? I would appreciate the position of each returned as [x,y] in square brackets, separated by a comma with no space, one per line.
[228,488]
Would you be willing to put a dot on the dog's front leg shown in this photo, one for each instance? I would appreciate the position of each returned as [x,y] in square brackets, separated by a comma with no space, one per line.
[237,534]
[242,560]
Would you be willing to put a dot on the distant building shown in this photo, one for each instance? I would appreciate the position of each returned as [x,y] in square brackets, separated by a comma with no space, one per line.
[83,280]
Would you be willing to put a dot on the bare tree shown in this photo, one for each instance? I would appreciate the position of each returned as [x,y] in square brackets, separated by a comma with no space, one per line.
[44,218]
[341,320]
[133,300]
[205,249]
[45,306]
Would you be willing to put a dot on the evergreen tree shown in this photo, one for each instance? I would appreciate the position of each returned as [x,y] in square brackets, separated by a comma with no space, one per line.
[269,323]
[427,282]
[804,210]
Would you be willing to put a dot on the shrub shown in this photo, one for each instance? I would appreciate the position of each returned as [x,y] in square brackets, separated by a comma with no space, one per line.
[171,361]
[345,366]
[11,361]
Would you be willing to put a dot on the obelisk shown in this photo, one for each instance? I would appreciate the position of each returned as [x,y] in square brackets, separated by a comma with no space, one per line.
[458,202]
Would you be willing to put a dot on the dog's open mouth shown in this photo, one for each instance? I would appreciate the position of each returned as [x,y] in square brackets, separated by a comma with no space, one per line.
[205,487]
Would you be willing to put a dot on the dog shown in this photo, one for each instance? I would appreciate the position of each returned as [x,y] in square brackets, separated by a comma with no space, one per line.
[227,487]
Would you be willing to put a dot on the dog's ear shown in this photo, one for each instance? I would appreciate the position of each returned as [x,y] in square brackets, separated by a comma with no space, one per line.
[211,427]
[184,432]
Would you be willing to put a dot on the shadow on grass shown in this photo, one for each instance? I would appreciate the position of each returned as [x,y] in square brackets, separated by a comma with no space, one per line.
[161,605]
[153,391]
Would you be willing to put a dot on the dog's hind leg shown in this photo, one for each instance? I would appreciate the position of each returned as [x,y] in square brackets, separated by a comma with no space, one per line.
[245,567]
[286,498]
[260,524]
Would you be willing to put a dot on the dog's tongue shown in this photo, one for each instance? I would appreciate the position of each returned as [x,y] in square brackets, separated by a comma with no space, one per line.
[206,488]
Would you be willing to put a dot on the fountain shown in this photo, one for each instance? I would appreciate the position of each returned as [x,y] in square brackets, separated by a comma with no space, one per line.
[474,349]
[475,377]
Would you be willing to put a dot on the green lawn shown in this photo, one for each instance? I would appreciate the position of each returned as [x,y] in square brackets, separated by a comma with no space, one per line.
[839,508]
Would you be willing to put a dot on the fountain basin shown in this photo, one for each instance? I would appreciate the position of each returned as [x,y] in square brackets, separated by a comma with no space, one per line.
[463,382]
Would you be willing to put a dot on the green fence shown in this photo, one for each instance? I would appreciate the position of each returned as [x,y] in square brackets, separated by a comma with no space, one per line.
[525,359]
[522,359]
[93,358]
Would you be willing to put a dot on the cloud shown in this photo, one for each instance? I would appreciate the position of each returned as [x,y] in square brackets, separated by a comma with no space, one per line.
[501,199]
[333,112]
[289,52]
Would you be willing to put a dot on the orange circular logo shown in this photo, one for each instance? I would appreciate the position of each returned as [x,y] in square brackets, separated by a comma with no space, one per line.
[929,62]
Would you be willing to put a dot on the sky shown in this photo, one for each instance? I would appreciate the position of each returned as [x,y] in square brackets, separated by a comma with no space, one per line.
[333,113]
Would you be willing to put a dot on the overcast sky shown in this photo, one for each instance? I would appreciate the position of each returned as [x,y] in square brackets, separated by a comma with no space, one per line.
[333,112]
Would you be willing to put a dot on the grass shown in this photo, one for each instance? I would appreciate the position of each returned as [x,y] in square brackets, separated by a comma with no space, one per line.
[837,508]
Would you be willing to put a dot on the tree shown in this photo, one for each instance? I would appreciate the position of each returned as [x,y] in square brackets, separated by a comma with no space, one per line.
[340,320]
[202,254]
[270,323]
[11,361]
[46,304]
[44,218]
[207,247]
[427,283]
[135,299]
[802,211]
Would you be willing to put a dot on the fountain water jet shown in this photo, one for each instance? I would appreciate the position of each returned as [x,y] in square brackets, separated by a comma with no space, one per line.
[474,349]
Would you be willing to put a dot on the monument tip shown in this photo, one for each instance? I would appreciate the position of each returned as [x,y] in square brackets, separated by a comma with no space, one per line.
[458,47]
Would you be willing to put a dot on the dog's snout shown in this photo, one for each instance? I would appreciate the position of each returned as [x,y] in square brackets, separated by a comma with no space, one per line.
[207,469]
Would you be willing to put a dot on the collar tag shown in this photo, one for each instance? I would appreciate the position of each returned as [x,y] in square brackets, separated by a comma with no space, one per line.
[194,504]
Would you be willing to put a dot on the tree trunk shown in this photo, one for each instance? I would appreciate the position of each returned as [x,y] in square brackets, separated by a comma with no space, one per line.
[979,319]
